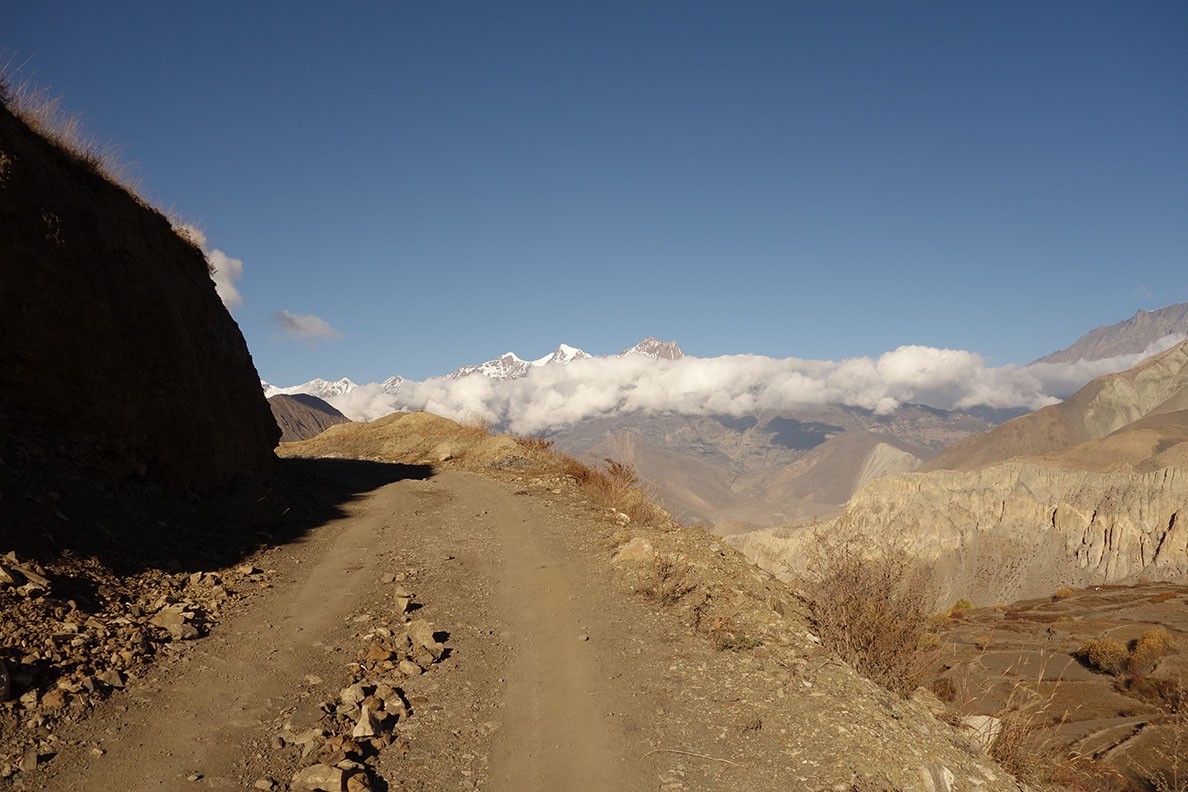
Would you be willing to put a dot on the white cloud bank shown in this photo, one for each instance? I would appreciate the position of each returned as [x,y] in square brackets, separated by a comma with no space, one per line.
[224,270]
[305,327]
[551,397]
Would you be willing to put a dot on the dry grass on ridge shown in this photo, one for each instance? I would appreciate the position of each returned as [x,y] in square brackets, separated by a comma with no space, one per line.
[45,114]
[615,485]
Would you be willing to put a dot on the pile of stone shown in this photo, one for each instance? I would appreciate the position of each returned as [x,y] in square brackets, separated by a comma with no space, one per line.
[363,720]
[59,656]
[27,580]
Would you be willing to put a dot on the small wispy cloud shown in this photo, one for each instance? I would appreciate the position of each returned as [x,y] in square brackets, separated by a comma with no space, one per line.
[304,327]
[224,270]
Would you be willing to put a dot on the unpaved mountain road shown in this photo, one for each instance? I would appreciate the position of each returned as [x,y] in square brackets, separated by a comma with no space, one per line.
[531,638]
[559,675]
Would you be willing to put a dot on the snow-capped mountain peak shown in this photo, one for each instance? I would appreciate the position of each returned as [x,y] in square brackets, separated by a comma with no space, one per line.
[655,349]
[564,355]
[323,389]
[509,365]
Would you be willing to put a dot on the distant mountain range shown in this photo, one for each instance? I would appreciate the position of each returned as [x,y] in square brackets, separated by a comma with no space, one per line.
[736,469]
[1145,331]
[508,366]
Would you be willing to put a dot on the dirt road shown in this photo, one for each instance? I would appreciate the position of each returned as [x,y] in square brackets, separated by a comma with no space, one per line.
[559,674]
[538,657]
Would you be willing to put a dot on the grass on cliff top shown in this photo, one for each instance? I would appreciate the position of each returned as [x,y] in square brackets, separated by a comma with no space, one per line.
[46,114]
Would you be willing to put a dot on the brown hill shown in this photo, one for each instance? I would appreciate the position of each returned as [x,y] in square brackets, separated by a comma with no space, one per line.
[301,416]
[1157,385]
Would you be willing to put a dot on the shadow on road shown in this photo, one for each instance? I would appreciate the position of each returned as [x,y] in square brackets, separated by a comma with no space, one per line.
[133,527]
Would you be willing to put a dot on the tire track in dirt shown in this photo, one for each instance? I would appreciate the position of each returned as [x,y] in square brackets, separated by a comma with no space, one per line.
[212,711]
[554,734]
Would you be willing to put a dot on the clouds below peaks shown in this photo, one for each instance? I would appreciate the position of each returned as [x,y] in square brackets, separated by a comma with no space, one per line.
[552,397]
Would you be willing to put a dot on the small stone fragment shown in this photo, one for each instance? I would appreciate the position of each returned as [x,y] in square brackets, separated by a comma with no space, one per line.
[54,700]
[409,668]
[358,783]
[368,726]
[353,694]
[267,784]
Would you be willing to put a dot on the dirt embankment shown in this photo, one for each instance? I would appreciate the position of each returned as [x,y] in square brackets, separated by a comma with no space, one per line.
[117,357]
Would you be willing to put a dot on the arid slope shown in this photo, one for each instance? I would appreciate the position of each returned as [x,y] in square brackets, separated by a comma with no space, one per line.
[1087,492]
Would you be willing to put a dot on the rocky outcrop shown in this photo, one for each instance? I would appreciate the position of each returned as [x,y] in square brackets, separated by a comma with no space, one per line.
[116,354]
[301,416]
[1012,531]
[1158,385]
[1091,491]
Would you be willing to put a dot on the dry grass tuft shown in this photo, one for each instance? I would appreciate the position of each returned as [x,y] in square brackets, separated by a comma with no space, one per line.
[1172,775]
[871,611]
[46,115]
[666,580]
[536,444]
[615,486]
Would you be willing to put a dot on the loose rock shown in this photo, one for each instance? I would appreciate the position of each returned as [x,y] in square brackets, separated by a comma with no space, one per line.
[319,778]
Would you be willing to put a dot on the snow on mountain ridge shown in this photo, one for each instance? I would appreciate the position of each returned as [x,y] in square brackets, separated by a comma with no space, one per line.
[323,389]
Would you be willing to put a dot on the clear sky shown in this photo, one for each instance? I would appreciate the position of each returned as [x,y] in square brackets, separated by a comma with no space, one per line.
[440,182]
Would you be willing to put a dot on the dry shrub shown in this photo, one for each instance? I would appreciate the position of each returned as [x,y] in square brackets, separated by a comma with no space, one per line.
[1147,651]
[1105,654]
[1164,597]
[537,444]
[616,486]
[1063,593]
[667,579]
[1136,661]
[871,611]
[959,607]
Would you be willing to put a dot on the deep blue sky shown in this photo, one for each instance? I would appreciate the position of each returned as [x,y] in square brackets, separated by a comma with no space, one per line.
[442,182]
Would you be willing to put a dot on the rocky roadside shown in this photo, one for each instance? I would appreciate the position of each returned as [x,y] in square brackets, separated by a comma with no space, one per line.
[73,633]
[340,750]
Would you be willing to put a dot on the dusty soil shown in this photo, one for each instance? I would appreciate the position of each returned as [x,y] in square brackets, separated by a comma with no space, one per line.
[557,673]
[1025,657]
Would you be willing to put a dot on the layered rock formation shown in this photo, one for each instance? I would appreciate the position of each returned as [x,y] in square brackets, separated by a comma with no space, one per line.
[1091,491]
[116,354]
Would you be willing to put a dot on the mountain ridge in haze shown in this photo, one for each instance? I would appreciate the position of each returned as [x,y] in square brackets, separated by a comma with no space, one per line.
[1144,330]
